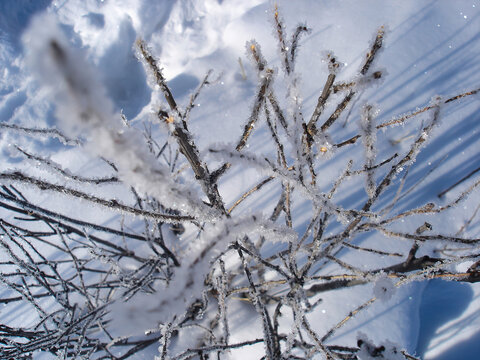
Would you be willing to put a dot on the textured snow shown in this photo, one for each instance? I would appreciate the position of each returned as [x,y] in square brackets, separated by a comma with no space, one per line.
[431,48]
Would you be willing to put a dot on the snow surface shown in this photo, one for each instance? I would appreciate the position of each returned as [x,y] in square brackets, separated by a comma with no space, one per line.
[431,49]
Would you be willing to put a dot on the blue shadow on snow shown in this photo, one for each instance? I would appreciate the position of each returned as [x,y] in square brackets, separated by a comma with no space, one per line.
[443,301]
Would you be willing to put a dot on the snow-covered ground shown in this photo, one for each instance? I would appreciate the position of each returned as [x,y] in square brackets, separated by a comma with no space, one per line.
[431,48]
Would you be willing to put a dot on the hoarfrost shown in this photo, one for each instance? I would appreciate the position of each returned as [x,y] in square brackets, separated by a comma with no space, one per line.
[253,51]
[324,144]
[83,106]
[369,136]
[384,288]
[266,166]
[329,57]
[369,351]
[187,286]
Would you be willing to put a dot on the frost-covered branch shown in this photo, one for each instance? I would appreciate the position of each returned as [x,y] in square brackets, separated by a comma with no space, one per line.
[170,256]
